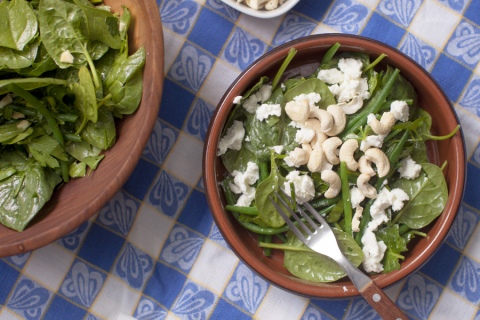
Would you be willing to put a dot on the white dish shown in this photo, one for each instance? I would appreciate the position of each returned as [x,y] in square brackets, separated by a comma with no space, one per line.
[265,14]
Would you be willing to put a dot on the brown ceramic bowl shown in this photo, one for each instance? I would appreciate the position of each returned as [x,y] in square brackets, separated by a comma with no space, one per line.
[430,97]
[79,199]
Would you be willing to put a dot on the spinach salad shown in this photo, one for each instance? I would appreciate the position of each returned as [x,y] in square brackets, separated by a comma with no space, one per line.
[351,140]
[65,76]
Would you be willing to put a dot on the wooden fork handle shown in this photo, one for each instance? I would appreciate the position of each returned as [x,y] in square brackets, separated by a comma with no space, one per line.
[385,307]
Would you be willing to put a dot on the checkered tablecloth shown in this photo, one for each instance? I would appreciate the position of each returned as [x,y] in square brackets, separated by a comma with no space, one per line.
[154,252]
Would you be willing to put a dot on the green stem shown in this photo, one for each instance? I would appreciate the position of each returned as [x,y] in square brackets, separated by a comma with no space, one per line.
[374,63]
[291,53]
[330,53]
[445,137]
[251,211]
[284,247]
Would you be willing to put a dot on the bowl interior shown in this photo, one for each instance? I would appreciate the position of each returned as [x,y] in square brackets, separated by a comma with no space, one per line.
[309,52]
[79,199]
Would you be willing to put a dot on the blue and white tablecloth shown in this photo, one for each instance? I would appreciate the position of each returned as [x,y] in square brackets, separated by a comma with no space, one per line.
[154,252]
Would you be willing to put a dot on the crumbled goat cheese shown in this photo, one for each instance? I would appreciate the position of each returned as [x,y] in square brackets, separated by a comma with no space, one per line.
[242,183]
[278,149]
[373,252]
[372,141]
[303,184]
[384,200]
[304,135]
[267,110]
[232,139]
[313,98]
[356,197]
[122,26]
[263,94]
[409,169]
[330,76]
[237,99]
[66,57]
[400,110]
[351,68]
[6,100]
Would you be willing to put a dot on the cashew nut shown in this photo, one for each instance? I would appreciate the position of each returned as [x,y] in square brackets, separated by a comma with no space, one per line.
[297,157]
[256,4]
[271,5]
[330,148]
[382,126]
[347,151]
[378,157]
[353,106]
[339,119]
[356,219]
[315,161]
[365,188]
[325,118]
[307,147]
[313,124]
[298,111]
[318,139]
[333,179]
[364,166]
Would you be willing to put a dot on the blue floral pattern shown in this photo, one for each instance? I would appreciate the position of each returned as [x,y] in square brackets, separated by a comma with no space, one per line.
[179,15]
[194,302]
[402,11]
[246,288]
[416,49]
[160,143]
[243,48]
[419,296]
[148,309]
[346,16]
[182,248]
[463,227]
[168,194]
[466,280]
[29,299]
[133,266]
[82,284]
[293,26]
[119,213]
[198,120]
[465,43]
[471,98]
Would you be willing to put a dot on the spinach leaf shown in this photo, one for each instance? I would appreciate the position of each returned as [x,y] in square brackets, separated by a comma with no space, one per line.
[85,98]
[237,159]
[100,25]
[312,85]
[396,244]
[29,83]
[124,82]
[19,24]
[46,151]
[102,133]
[309,265]
[15,59]
[23,193]
[10,130]
[265,189]
[86,153]
[263,135]
[428,195]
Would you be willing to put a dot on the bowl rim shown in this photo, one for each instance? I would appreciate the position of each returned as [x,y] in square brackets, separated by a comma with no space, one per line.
[336,290]
[35,237]
[263,14]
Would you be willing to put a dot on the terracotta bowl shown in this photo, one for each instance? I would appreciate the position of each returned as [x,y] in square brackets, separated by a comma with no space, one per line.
[309,51]
[78,200]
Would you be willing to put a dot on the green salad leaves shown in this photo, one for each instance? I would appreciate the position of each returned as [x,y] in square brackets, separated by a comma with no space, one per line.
[65,76]
[408,196]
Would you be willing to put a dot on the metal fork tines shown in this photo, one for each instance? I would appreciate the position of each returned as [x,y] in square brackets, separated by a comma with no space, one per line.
[320,237]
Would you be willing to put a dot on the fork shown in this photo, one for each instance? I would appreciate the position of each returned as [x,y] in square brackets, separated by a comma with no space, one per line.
[322,240]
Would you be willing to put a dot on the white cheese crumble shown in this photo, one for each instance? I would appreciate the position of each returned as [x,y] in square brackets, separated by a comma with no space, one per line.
[330,76]
[303,184]
[384,200]
[356,197]
[232,139]
[400,110]
[242,183]
[122,26]
[263,94]
[373,252]
[66,57]
[313,98]
[267,110]
[409,169]
[304,135]
[356,219]
[372,141]
[237,99]
[278,149]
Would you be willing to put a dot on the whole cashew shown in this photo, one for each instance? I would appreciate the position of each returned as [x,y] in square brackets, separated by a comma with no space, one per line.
[318,139]
[256,4]
[333,179]
[382,126]
[365,188]
[378,157]
[271,5]
[325,118]
[307,147]
[298,111]
[356,219]
[312,123]
[353,106]
[315,161]
[347,151]
[330,148]
[339,119]
[364,166]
